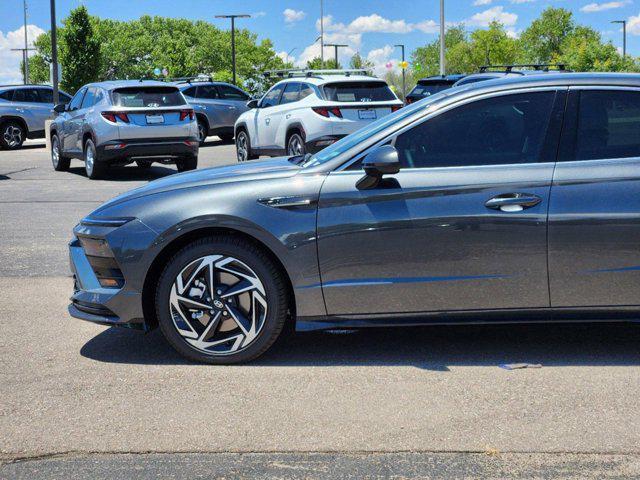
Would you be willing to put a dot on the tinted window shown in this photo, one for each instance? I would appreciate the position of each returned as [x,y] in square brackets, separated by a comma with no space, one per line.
[45,95]
[290,94]
[608,125]
[190,92]
[77,99]
[63,97]
[208,92]
[358,92]
[427,89]
[503,130]
[230,93]
[6,95]
[305,91]
[147,97]
[89,98]
[272,96]
[26,95]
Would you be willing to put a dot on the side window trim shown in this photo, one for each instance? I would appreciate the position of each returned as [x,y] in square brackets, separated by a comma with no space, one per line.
[391,137]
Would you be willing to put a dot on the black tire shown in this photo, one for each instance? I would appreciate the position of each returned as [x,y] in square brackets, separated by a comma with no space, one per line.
[275,289]
[93,166]
[59,161]
[186,164]
[243,147]
[143,164]
[226,138]
[295,145]
[203,131]
[12,135]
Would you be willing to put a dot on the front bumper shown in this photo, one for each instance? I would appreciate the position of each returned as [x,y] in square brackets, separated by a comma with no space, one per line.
[111,306]
[148,149]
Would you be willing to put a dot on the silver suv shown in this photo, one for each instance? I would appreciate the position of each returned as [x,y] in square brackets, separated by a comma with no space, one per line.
[119,122]
[23,111]
[217,105]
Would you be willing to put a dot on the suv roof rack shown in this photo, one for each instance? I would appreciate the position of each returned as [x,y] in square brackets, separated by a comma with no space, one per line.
[535,66]
[193,79]
[303,72]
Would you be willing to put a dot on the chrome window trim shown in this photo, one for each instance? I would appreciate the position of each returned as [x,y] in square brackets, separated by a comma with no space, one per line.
[391,137]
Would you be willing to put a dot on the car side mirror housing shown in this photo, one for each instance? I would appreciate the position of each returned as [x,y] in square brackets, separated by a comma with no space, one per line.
[253,103]
[380,161]
[60,108]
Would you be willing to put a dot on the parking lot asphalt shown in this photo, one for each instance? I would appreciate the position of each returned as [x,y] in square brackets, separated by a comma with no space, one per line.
[73,394]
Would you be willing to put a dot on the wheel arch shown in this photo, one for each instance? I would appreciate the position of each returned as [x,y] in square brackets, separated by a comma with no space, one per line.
[157,265]
[201,117]
[242,126]
[7,118]
[291,129]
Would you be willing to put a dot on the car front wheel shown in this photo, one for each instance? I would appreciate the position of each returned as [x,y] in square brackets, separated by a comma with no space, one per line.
[243,147]
[221,300]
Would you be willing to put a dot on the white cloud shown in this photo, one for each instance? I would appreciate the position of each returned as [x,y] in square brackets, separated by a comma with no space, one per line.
[376,23]
[633,25]
[259,14]
[9,60]
[286,58]
[380,57]
[478,3]
[292,16]
[498,14]
[601,7]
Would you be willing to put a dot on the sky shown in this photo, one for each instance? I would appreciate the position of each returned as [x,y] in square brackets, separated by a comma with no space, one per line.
[370,27]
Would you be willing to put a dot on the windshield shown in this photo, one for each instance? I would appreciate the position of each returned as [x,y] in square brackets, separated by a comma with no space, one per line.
[147,97]
[350,141]
[358,92]
[424,90]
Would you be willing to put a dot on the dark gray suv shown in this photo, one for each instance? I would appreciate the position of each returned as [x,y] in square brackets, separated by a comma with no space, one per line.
[511,200]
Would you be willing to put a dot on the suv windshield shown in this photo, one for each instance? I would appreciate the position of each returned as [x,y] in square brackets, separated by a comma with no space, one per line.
[147,97]
[358,92]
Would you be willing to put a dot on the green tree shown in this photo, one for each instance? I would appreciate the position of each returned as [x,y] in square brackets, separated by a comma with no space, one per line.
[317,64]
[542,40]
[358,62]
[491,46]
[79,50]
[426,60]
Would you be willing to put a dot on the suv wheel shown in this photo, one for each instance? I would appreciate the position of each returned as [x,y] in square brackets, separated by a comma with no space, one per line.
[92,165]
[60,162]
[202,131]
[186,164]
[221,300]
[243,147]
[12,135]
[295,145]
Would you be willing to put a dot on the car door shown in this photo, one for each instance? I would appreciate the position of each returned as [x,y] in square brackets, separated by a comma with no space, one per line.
[79,118]
[27,105]
[218,111]
[264,114]
[594,213]
[236,99]
[71,119]
[462,226]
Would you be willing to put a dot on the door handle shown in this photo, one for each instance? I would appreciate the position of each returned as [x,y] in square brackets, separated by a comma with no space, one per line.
[513,202]
[288,116]
[231,108]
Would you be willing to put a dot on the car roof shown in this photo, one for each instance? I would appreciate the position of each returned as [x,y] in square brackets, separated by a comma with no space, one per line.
[186,84]
[31,85]
[113,84]
[323,80]
[552,79]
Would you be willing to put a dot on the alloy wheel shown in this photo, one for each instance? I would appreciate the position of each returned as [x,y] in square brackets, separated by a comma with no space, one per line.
[295,147]
[218,305]
[242,147]
[55,152]
[201,133]
[89,161]
[12,136]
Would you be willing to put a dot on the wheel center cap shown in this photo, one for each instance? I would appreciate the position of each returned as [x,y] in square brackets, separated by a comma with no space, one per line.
[218,304]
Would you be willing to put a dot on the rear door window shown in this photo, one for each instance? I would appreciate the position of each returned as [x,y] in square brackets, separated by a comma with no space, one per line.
[291,93]
[28,95]
[208,92]
[45,95]
[190,92]
[358,92]
[305,91]
[608,125]
[231,93]
[151,97]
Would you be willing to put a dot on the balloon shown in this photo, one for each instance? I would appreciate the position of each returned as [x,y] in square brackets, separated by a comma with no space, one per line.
[165,72]
[404,64]
[389,65]
[156,71]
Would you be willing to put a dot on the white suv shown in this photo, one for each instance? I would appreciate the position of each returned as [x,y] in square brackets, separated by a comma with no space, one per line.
[310,110]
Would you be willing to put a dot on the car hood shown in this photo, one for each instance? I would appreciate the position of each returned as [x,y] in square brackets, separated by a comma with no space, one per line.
[241,172]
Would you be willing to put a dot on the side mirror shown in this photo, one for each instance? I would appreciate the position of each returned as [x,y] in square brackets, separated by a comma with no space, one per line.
[60,108]
[252,103]
[381,161]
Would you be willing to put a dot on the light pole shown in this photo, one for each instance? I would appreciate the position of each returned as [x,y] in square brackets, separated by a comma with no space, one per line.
[335,47]
[26,45]
[322,32]
[442,33]
[233,39]
[624,36]
[404,79]
[25,59]
[54,53]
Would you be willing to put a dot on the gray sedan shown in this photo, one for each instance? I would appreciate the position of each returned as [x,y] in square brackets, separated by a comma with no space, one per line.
[511,200]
